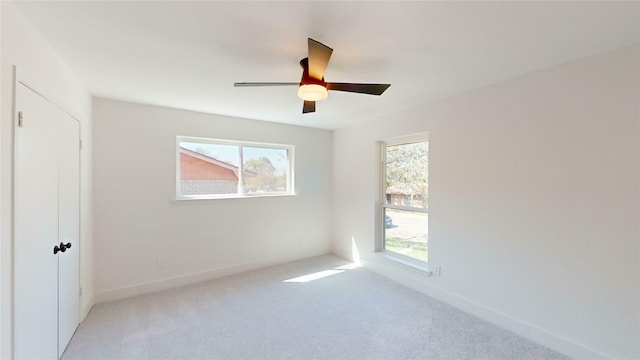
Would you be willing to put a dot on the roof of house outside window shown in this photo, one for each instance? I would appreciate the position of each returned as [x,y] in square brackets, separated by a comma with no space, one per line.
[196,166]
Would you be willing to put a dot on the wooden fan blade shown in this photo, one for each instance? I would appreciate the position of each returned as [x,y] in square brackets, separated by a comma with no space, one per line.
[319,55]
[247,84]
[309,107]
[371,89]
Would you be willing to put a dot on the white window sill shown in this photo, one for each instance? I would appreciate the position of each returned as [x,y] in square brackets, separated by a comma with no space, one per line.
[179,199]
[405,261]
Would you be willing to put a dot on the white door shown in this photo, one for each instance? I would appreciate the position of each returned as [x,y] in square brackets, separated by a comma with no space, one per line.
[69,228]
[47,217]
[36,229]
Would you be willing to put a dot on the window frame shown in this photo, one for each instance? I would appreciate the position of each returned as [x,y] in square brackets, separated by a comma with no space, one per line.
[290,170]
[380,243]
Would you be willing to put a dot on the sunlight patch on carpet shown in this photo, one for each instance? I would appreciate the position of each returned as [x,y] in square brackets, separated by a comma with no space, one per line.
[314,276]
[324,273]
[348,266]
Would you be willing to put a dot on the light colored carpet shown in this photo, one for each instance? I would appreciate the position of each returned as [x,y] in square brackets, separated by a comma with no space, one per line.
[351,314]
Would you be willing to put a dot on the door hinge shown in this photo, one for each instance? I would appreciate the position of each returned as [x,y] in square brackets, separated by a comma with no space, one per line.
[19,118]
[80,144]
[80,291]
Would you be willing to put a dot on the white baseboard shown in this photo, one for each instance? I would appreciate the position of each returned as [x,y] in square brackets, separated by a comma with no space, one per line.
[86,308]
[412,279]
[145,288]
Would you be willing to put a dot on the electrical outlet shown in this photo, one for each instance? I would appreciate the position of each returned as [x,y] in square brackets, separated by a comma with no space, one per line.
[437,269]
[161,263]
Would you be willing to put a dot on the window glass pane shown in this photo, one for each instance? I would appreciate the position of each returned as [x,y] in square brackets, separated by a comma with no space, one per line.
[230,169]
[405,233]
[265,169]
[407,175]
[208,169]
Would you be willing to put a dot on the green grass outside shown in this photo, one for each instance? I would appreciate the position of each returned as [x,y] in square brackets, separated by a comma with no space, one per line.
[414,249]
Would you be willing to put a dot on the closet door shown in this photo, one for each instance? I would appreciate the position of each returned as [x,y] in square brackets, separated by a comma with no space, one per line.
[47,227]
[69,228]
[36,229]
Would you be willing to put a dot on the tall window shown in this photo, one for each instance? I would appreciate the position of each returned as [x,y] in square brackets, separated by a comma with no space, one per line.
[212,168]
[406,199]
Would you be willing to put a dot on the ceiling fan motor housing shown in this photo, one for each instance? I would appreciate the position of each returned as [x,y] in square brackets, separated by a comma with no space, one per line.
[308,79]
[311,89]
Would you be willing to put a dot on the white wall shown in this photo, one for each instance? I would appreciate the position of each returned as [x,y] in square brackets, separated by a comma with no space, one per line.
[534,197]
[39,65]
[137,222]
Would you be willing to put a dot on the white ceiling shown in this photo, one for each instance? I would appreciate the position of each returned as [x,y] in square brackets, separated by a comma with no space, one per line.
[187,55]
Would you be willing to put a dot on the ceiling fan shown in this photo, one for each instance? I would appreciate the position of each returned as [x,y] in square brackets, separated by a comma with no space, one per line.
[312,86]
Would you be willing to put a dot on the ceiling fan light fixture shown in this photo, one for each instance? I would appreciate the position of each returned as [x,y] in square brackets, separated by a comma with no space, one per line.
[312,92]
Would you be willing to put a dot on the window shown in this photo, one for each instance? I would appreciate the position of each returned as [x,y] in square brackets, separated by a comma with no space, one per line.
[212,168]
[405,209]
